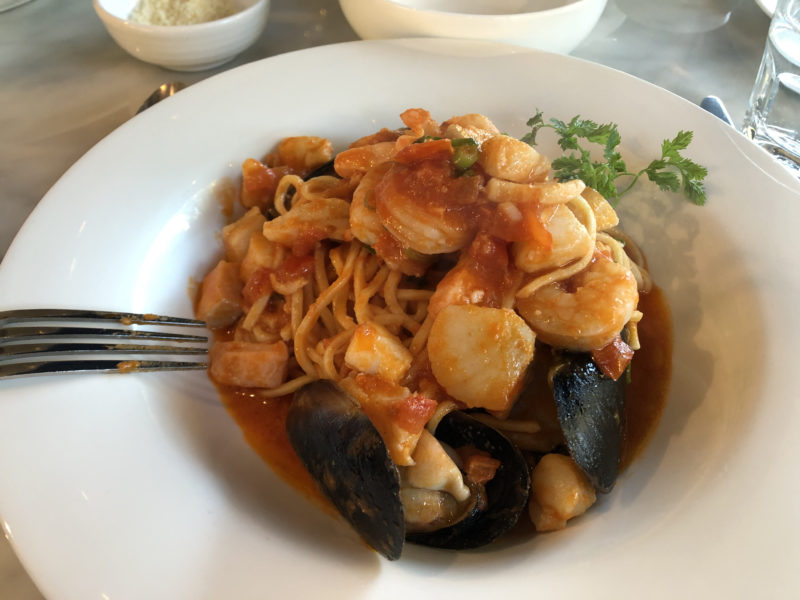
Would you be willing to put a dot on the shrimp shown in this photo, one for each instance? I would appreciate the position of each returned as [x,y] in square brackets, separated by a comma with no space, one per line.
[475,126]
[570,238]
[481,276]
[357,161]
[586,311]
[303,154]
[308,222]
[397,414]
[559,492]
[420,122]
[511,159]
[364,221]
[479,355]
[427,209]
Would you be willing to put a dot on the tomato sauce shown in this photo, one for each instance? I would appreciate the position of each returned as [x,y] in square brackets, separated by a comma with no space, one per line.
[651,371]
[263,423]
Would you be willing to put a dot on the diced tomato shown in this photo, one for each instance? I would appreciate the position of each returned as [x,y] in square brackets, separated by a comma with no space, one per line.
[257,286]
[413,412]
[481,276]
[433,149]
[294,268]
[391,250]
[528,226]
[532,225]
[479,466]
[307,238]
[613,358]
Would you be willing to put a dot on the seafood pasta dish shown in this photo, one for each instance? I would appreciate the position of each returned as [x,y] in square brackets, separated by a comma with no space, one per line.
[433,334]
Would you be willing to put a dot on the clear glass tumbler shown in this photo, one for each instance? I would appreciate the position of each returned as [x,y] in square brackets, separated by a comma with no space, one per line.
[773,113]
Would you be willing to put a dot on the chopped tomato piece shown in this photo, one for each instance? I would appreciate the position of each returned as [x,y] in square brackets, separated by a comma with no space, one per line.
[482,276]
[294,268]
[516,223]
[392,251]
[307,238]
[533,228]
[433,149]
[412,412]
[257,286]
[479,466]
[613,358]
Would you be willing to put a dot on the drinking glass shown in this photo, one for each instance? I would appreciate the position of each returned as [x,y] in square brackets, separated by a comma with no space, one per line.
[773,113]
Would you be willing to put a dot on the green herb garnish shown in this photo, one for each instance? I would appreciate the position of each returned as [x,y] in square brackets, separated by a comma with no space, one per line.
[465,153]
[672,172]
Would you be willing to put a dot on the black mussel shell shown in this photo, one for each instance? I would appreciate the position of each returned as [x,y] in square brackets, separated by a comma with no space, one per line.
[506,494]
[323,169]
[348,460]
[591,408]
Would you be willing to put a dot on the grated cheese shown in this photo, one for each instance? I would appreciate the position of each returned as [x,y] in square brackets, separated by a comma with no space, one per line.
[180,12]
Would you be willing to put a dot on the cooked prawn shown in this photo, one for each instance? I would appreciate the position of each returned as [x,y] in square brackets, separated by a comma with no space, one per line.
[570,238]
[481,276]
[509,158]
[364,220]
[426,208]
[308,222]
[475,126]
[357,161]
[586,311]
[304,153]
[420,122]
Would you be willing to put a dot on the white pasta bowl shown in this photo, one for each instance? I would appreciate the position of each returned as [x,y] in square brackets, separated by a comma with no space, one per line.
[184,47]
[551,25]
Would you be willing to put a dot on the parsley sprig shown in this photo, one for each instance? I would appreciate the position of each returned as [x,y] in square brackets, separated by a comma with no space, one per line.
[672,172]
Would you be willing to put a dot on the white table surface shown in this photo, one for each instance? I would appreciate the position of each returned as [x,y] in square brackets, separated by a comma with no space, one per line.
[64,85]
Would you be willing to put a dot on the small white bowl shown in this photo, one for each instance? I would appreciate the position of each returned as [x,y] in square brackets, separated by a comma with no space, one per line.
[552,25]
[184,47]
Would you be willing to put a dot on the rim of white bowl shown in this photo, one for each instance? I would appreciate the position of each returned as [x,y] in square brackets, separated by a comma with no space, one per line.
[172,29]
[494,17]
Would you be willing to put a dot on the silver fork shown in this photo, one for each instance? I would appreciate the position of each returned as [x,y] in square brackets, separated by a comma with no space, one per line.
[41,341]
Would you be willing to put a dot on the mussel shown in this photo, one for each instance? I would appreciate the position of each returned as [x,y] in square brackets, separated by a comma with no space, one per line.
[346,457]
[348,460]
[590,408]
[506,494]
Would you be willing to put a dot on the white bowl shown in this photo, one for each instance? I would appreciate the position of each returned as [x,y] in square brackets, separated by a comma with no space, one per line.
[184,47]
[552,25]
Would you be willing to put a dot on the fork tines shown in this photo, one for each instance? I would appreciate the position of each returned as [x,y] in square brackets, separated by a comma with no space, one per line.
[39,341]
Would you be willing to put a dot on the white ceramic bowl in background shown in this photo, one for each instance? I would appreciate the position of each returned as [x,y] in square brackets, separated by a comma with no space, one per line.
[552,25]
[184,47]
